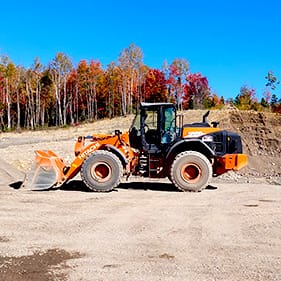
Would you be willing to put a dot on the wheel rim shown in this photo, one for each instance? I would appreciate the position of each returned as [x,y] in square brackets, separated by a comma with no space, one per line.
[191,173]
[101,171]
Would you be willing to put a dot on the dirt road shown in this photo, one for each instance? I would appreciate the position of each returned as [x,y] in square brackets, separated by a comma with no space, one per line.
[141,232]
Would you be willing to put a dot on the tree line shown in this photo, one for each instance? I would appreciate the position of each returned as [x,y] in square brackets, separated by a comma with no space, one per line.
[61,93]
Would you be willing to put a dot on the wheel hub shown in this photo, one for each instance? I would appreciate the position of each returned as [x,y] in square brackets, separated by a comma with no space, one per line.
[101,171]
[191,173]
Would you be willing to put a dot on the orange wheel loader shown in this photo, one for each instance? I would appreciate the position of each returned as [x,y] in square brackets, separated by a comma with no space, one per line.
[157,145]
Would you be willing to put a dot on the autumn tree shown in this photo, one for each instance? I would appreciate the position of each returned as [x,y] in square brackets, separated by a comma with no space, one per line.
[32,94]
[154,86]
[140,95]
[83,89]
[9,77]
[130,62]
[47,99]
[29,104]
[72,90]
[95,77]
[2,100]
[264,103]
[266,99]
[213,101]
[61,94]
[19,87]
[60,67]
[196,90]
[113,95]
[175,75]
[245,100]
[37,74]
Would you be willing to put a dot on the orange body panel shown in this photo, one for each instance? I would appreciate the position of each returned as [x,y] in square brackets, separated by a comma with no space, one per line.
[228,162]
[195,132]
[83,148]
[86,146]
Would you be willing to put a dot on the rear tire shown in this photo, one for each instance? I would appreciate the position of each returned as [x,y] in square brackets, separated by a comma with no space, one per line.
[191,171]
[101,171]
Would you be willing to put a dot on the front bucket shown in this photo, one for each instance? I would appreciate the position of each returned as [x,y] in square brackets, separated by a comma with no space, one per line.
[46,172]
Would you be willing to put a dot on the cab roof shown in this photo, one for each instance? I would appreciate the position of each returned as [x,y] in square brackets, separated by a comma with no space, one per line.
[156,104]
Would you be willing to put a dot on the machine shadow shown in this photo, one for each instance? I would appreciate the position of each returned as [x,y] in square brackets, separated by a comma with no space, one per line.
[153,186]
[16,185]
[75,185]
[78,185]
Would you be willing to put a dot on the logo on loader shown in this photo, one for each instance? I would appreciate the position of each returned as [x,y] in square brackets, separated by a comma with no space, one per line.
[87,152]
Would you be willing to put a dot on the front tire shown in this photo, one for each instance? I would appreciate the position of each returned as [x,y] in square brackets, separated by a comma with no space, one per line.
[191,171]
[101,171]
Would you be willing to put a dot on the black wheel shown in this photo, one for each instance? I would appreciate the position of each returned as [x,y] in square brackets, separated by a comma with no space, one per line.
[191,171]
[101,171]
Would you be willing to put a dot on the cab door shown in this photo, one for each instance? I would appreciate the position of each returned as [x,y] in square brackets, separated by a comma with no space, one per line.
[168,128]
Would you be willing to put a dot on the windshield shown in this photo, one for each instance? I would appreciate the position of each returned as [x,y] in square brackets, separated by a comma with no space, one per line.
[151,119]
[136,121]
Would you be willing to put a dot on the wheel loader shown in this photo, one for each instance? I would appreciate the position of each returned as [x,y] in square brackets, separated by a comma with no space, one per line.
[158,145]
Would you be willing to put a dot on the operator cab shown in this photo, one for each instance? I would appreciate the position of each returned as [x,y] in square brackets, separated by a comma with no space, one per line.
[154,127]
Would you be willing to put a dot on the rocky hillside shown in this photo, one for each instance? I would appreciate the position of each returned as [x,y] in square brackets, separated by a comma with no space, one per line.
[261,136]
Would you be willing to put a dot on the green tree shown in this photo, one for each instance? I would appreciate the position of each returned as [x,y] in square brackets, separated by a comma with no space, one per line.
[274,100]
[272,80]
[264,103]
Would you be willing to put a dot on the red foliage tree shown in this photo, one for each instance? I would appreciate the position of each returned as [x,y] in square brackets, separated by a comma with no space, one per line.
[154,87]
[196,90]
[95,76]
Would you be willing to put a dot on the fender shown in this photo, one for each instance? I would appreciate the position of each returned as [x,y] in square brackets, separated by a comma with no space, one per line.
[117,152]
[190,144]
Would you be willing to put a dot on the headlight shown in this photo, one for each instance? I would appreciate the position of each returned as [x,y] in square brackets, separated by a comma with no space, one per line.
[207,138]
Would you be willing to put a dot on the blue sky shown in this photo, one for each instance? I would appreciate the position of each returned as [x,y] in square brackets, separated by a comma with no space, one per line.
[232,43]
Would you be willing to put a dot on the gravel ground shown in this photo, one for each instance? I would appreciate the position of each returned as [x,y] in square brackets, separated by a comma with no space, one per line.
[141,231]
